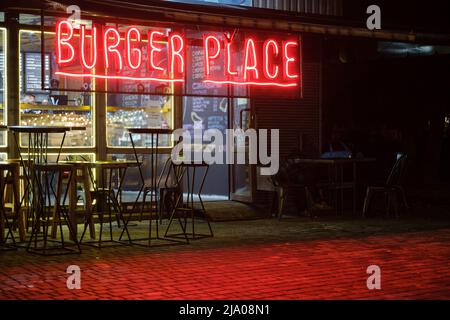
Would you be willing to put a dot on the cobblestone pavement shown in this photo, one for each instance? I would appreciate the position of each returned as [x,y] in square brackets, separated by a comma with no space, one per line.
[261,259]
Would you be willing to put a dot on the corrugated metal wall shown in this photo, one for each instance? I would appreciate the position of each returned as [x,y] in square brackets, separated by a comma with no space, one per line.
[295,117]
[323,7]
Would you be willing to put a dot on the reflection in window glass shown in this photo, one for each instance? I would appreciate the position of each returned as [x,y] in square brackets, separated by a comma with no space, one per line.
[55,106]
[137,111]
[2,84]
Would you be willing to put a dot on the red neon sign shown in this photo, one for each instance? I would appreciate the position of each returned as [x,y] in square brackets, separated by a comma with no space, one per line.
[270,45]
[93,47]
[65,52]
[133,53]
[269,63]
[110,47]
[176,53]
[153,48]
[229,57]
[153,55]
[208,55]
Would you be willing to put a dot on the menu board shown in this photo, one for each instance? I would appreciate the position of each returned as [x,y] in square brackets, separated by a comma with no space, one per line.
[32,71]
[204,112]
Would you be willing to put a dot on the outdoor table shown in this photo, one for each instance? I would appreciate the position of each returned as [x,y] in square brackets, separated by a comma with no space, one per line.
[154,133]
[336,175]
[37,153]
[37,148]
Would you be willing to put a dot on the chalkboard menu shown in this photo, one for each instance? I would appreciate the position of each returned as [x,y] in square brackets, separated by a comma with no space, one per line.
[32,71]
[203,112]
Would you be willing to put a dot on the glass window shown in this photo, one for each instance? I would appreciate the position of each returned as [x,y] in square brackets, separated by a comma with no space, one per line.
[2,17]
[132,182]
[53,106]
[30,19]
[136,109]
[2,84]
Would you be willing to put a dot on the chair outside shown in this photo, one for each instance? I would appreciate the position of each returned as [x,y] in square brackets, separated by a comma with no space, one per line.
[292,180]
[393,190]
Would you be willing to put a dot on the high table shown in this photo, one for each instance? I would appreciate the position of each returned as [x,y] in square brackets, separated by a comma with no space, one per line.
[151,189]
[37,155]
[336,174]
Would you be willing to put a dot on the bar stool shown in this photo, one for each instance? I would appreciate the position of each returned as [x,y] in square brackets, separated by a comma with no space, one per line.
[23,182]
[185,210]
[50,210]
[106,194]
[9,175]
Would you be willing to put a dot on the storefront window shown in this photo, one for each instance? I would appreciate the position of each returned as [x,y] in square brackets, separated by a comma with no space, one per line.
[30,19]
[53,106]
[136,109]
[2,83]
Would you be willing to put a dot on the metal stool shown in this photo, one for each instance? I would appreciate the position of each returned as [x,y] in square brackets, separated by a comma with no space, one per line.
[49,198]
[184,209]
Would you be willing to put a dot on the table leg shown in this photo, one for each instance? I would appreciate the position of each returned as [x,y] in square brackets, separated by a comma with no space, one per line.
[73,202]
[19,213]
[88,200]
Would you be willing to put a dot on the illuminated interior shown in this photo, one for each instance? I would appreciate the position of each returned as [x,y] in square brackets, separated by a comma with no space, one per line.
[56,106]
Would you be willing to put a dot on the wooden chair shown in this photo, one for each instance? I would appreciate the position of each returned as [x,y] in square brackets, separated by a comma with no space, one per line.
[392,190]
